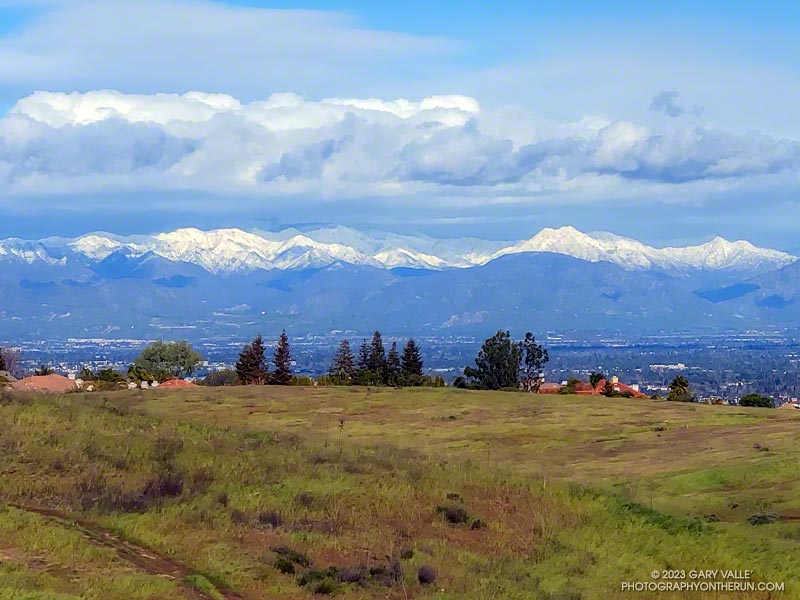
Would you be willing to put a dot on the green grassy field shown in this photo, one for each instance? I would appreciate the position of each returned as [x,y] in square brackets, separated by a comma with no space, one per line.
[222,492]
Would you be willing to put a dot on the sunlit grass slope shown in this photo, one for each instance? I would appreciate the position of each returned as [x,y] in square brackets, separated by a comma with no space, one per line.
[503,495]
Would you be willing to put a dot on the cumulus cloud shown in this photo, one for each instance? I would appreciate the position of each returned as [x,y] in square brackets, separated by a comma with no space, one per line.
[353,147]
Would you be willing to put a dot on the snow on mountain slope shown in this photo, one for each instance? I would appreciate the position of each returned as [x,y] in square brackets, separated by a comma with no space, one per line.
[397,250]
[95,247]
[30,252]
[231,250]
[633,255]
[223,251]
[719,253]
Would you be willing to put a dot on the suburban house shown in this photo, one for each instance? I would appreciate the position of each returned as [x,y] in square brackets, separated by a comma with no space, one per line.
[549,388]
[586,389]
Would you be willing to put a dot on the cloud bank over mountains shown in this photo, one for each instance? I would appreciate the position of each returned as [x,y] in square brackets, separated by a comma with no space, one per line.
[287,145]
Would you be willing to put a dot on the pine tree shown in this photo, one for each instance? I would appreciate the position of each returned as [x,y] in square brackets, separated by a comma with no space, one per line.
[497,363]
[2,360]
[411,364]
[377,357]
[343,368]
[393,366]
[251,367]
[363,356]
[283,361]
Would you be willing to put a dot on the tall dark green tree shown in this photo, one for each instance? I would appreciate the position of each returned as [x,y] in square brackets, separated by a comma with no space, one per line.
[534,358]
[365,375]
[283,361]
[377,356]
[363,356]
[393,366]
[411,364]
[497,363]
[251,366]
[2,360]
[343,367]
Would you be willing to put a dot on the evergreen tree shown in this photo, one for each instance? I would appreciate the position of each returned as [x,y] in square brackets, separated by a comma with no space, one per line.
[283,361]
[363,356]
[497,363]
[343,368]
[377,356]
[2,360]
[251,366]
[411,364]
[393,366]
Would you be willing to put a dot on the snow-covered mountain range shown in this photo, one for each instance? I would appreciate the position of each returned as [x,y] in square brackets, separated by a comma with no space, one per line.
[225,251]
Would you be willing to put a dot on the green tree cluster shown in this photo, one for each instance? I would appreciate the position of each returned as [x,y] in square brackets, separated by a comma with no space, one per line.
[503,363]
[756,400]
[251,367]
[374,366]
[166,360]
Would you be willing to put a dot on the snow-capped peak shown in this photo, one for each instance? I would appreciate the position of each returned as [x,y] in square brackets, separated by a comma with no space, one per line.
[95,247]
[630,254]
[719,253]
[223,251]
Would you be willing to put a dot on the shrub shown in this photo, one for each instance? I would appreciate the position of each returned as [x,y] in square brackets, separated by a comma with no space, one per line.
[762,519]
[478,524]
[284,565]
[320,582]
[426,575]
[756,400]
[454,515]
[270,519]
[293,556]
[220,378]
[167,484]
[358,575]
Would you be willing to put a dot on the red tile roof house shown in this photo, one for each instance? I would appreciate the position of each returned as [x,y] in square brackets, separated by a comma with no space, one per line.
[619,388]
[586,389]
[549,388]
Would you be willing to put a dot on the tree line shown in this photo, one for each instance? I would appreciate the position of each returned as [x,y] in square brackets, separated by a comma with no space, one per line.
[374,366]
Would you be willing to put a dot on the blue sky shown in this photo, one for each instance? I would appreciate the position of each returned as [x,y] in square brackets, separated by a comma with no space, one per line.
[669,122]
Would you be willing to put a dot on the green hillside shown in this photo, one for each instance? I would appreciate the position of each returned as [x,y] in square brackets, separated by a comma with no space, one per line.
[270,492]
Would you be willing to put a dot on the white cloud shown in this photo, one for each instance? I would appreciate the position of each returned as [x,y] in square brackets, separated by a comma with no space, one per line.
[357,148]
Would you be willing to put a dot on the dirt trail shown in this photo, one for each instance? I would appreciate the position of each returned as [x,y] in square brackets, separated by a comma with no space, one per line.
[140,557]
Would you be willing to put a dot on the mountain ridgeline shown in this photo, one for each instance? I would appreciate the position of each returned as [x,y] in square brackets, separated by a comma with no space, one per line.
[231,283]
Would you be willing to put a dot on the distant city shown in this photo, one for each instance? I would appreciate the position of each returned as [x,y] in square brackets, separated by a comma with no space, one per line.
[722,366]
